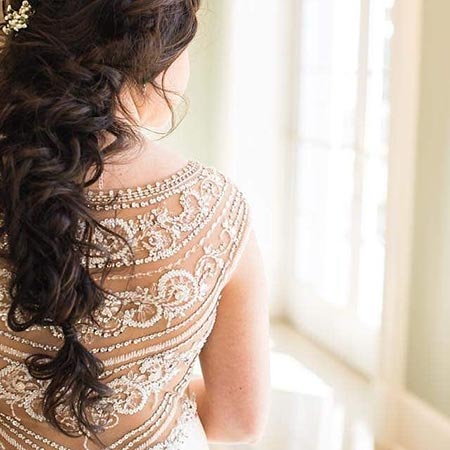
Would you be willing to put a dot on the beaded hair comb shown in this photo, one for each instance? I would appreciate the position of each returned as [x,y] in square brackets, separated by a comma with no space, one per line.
[16,20]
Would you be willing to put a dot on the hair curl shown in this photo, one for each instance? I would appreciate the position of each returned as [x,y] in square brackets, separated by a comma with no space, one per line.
[60,85]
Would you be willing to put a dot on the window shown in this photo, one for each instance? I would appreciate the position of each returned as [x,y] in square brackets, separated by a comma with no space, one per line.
[341,172]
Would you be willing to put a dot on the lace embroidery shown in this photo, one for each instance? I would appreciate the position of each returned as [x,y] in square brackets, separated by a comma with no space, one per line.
[171,296]
[144,195]
[157,233]
[180,433]
[132,390]
[176,438]
[172,310]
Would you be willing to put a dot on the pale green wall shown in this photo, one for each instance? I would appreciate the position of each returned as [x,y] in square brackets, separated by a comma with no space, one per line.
[197,135]
[428,370]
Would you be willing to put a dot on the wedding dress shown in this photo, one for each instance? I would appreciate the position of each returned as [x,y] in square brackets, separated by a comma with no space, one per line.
[186,234]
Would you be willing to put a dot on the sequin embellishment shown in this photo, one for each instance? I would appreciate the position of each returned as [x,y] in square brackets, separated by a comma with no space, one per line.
[187,233]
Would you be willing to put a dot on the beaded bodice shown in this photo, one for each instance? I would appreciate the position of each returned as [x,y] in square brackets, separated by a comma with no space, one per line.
[185,234]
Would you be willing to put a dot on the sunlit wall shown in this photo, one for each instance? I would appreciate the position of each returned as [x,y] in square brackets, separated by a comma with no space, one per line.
[428,371]
[196,135]
[234,121]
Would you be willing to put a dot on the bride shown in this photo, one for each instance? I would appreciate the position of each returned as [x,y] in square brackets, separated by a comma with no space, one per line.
[122,263]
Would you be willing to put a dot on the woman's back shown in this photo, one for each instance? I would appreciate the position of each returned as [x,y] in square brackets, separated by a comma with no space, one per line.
[185,234]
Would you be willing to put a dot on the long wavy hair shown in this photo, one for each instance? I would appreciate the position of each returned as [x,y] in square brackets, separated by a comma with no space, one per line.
[60,84]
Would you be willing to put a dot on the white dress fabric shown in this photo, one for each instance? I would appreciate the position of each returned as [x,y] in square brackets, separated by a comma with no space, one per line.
[186,234]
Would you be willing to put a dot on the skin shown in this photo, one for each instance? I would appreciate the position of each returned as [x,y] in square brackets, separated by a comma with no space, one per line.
[149,111]
[233,396]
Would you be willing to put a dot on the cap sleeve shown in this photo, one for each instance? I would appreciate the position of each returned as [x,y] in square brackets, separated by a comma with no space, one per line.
[237,225]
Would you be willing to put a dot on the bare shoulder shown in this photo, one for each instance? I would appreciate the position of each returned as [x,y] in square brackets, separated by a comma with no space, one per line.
[166,158]
[163,159]
[150,163]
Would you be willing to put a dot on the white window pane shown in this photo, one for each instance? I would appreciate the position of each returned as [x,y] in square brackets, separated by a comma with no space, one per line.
[372,245]
[323,233]
[329,37]
[342,160]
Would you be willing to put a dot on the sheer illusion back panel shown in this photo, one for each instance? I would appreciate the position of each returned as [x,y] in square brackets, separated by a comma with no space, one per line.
[186,235]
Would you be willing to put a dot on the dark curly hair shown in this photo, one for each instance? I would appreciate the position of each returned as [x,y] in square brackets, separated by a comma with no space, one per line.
[60,84]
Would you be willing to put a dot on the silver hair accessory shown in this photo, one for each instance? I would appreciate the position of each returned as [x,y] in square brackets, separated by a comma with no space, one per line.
[16,20]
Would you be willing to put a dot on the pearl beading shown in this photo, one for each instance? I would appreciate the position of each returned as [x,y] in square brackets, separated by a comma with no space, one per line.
[233,219]
[166,412]
[12,441]
[163,407]
[141,427]
[143,195]
[178,434]
[139,340]
[198,225]
[165,404]
[188,253]
[142,353]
